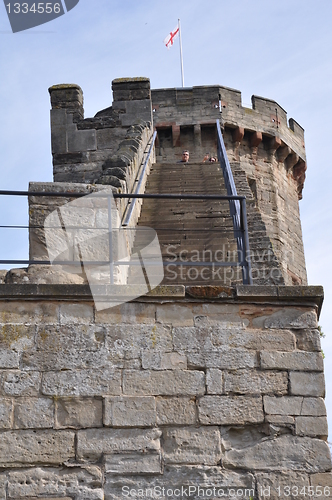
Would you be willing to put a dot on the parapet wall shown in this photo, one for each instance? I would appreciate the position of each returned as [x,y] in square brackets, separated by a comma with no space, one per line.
[100,149]
[204,386]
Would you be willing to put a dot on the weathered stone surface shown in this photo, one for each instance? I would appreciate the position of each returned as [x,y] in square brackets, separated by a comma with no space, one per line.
[308,340]
[175,315]
[322,479]
[14,339]
[176,411]
[214,381]
[313,407]
[176,477]
[284,420]
[72,482]
[132,313]
[152,360]
[76,313]
[30,413]
[78,412]
[285,453]
[223,358]
[6,413]
[281,485]
[93,443]
[292,318]
[28,447]
[70,347]
[285,405]
[297,360]
[28,312]
[133,463]
[129,342]
[192,445]
[82,383]
[311,426]
[163,383]
[21,383]
[307,384]
[256,382]
[126,411]
[227,410]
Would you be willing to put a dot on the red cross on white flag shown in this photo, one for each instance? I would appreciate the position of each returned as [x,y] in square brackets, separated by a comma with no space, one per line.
[169,40]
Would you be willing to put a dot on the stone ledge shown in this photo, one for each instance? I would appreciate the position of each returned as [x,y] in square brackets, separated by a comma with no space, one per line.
[245,293]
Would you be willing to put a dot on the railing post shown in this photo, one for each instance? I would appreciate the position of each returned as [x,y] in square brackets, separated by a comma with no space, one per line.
[247,256]
[110,240]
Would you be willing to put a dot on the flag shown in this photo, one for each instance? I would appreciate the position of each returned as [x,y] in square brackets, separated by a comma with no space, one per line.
[169,40]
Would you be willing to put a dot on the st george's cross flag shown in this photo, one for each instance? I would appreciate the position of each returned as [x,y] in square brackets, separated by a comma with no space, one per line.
[169,40]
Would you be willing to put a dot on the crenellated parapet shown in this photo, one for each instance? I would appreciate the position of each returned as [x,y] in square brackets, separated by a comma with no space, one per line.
[265,122]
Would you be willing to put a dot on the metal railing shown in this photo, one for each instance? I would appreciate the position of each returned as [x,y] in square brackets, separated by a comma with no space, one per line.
[242,257]
[136,191]
[238,210]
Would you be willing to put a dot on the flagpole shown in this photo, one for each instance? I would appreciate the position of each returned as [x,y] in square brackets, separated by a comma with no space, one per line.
[181,57]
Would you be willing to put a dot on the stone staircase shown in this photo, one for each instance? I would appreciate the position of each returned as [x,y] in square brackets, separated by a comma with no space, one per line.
[196,232]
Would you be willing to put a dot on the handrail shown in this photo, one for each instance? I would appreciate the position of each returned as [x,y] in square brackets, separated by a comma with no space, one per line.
[237,211]
[130,206]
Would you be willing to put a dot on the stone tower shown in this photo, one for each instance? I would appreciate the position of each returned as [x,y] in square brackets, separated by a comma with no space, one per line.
[194,389]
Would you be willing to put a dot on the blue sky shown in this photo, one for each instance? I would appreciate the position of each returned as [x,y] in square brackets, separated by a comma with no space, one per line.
[280,50]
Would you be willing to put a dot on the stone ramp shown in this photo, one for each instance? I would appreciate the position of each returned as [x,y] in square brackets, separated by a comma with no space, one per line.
[197,232]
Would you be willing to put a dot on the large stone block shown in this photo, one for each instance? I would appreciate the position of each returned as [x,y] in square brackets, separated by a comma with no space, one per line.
[285,405]
[96,382]
[78,412]
[152,360]
[322,479]
[74,313]
[176,411]
[308,340]
[307,384]
[33,413]
[223,358]
[14,339]
[39,447]
[214,381]
[291,318]
[126,411]
[282,485]
[130,342]
[133,313]
[133,463]
[17,312]
[163,383]
[297,360]
[227,410]
[311,426]
[313,407]
[285,453]
[93,443]
[73,482]
[175,314]
[21,383]
[192,445]
[176,481]
[256,382]
[6,413]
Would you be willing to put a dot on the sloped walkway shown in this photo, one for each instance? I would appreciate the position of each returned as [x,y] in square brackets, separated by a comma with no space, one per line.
[199,233]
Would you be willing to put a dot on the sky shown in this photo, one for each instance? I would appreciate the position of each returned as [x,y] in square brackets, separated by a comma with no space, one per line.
[280,50]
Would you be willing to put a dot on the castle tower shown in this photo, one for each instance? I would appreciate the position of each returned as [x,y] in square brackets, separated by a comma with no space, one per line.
[209,390]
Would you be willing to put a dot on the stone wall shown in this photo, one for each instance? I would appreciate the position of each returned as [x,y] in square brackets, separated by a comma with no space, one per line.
[203,387]
[99,149]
